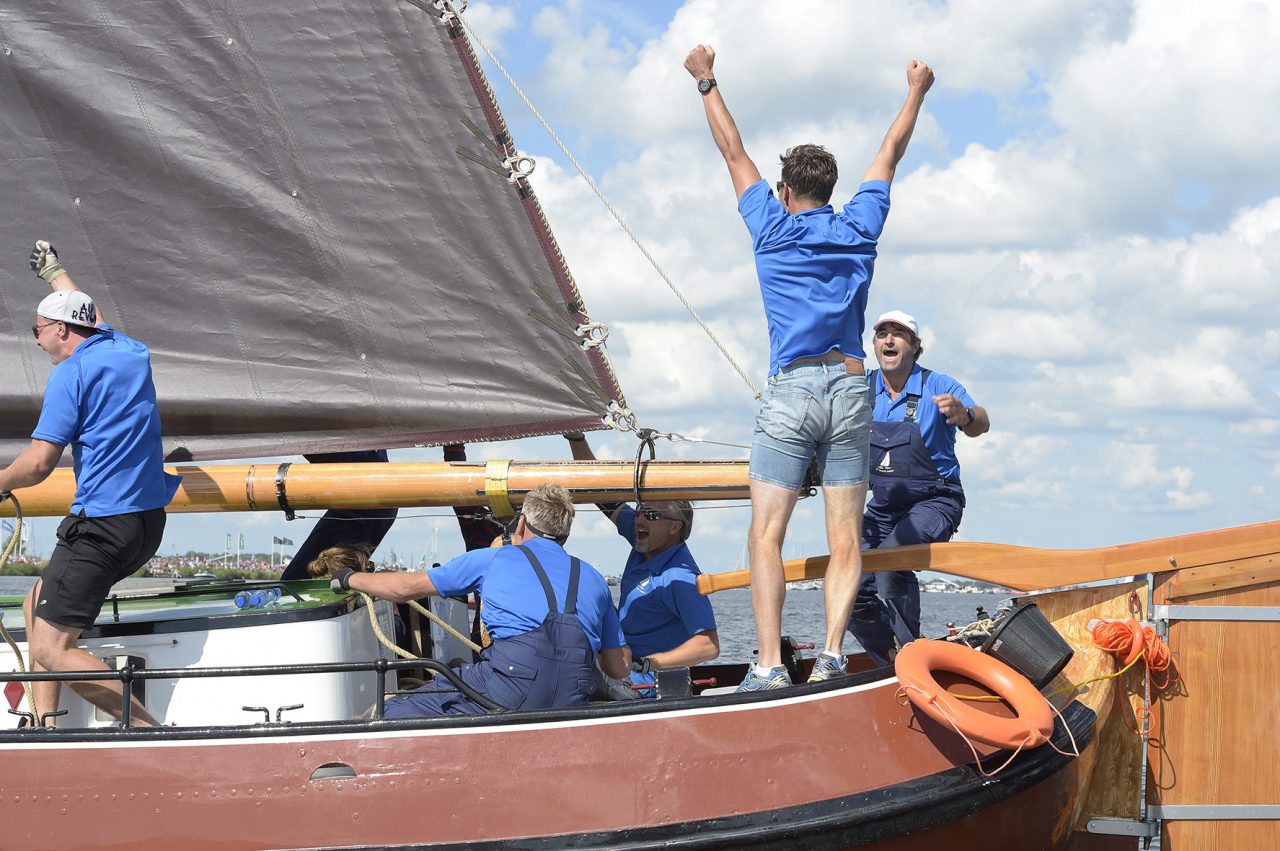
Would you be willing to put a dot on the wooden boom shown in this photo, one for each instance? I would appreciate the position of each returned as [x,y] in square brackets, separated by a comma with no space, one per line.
[272,487]
[1029,569]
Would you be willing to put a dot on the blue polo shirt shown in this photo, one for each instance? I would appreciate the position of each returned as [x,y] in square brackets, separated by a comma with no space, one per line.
[815,270]
[939,438]
[513,599]
[659,604]
[102,402]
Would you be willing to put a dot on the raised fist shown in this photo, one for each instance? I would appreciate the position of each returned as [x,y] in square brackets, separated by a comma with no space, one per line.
[44,261]
[919,75]
[699,61]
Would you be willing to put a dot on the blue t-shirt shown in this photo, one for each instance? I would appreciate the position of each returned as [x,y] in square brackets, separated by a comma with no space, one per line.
[659,604]
[939,438]
[102,402]
[514,602]
[815,270]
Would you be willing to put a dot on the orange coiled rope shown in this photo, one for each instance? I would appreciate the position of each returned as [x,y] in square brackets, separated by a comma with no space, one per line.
[1131,641]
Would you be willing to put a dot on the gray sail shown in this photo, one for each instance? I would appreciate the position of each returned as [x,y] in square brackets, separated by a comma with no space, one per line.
[302,208]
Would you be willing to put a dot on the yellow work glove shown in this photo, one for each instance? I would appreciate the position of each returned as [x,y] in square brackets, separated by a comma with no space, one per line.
[44,261]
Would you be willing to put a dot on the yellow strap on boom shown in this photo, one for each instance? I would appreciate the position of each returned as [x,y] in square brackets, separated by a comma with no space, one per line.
[495,488]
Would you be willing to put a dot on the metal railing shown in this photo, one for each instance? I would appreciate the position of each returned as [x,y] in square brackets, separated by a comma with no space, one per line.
[129,675]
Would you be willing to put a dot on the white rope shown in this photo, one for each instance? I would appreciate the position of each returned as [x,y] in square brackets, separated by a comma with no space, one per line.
[618,216]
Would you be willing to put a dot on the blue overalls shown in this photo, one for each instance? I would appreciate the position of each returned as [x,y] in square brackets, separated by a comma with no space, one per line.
[910,504]
[550,667]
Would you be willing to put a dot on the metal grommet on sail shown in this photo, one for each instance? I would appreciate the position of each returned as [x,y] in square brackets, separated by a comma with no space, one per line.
[593,334]
[448,9]
[495,488]
[620,417]
[521,165]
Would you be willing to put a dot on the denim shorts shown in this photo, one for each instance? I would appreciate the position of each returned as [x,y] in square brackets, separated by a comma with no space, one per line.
[812,410]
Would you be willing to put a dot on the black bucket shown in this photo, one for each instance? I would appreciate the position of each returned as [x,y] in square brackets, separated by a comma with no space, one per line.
[1026,641]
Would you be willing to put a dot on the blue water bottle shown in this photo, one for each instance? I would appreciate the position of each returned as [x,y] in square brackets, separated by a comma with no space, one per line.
[264,597]
[244,599]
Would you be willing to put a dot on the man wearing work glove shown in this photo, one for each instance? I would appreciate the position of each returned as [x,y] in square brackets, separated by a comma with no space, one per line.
[101,401]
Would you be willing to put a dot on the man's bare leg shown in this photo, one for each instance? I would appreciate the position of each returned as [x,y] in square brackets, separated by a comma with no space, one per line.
[45,694]
[844,570]
[771,508]
[53,648]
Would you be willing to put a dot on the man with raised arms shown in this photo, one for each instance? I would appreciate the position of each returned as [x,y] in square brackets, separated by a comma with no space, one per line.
[815,268]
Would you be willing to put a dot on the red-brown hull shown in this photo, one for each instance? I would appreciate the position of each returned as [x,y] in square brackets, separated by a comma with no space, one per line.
[820,767]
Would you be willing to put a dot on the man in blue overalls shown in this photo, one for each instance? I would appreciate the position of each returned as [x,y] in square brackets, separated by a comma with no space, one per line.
[915,477]
[549,615]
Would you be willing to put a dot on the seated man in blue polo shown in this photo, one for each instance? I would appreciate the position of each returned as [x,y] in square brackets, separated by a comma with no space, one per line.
[549,613]
[915,476]
[668,624]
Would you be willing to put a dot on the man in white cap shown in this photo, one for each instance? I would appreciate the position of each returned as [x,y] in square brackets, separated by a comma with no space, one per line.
[100,400]
[915,477]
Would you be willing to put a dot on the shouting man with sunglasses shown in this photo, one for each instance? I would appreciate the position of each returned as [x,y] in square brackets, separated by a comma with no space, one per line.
[814,266]
[668,624]
[101,401]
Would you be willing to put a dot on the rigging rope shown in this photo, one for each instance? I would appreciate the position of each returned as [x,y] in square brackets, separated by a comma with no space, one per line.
[604,200]
[433,617]
[13,645]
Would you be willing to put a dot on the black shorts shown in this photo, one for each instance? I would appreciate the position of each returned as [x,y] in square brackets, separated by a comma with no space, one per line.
[92,554]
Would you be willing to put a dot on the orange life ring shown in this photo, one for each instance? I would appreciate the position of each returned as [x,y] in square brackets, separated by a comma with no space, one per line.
[1033,721]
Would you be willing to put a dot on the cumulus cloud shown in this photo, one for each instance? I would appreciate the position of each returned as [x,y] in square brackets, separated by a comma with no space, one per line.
[1137,480]
[493,22]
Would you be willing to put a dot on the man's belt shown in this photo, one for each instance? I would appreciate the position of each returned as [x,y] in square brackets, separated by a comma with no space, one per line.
[853,366]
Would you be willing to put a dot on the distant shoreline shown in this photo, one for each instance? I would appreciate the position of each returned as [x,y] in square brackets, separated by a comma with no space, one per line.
[36,567]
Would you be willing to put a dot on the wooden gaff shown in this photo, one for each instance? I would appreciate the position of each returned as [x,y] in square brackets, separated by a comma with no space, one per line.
[213,488]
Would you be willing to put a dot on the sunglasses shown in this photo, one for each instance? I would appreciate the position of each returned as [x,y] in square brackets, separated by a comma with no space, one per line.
[780,184]
[653,514]
[36,329]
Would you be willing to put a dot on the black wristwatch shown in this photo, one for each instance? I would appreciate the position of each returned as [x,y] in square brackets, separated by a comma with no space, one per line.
[706,85]
[972,417]
[641,665]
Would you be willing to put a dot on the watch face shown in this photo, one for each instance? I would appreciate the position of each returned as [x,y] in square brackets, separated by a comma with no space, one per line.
[704,86]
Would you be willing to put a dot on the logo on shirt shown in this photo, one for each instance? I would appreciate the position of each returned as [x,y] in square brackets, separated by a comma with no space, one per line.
[885,466]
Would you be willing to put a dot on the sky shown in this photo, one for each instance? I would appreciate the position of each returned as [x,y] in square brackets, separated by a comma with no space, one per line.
[1086,225]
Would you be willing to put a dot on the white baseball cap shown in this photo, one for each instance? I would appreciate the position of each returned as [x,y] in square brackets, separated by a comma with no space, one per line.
[906,320]
[70,306]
